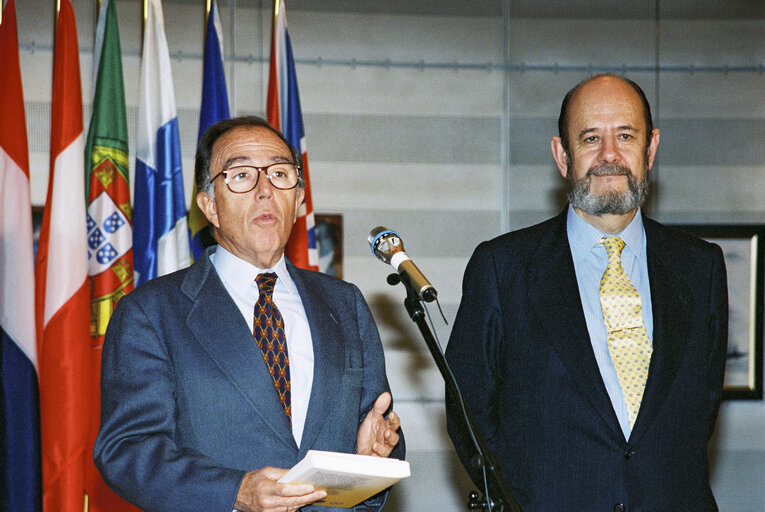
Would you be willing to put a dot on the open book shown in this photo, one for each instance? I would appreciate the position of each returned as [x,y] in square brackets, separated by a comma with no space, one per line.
[348,479]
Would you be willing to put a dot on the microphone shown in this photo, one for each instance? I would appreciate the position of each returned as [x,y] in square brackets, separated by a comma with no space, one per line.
[388,247]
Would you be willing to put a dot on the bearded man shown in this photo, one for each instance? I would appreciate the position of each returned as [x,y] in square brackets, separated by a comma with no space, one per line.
[591,348]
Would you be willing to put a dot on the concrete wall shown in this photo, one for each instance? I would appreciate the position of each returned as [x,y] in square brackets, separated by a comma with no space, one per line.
[435,120]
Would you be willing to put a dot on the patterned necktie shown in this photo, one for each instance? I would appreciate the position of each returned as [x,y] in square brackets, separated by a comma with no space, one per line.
[268,330]
[628,341]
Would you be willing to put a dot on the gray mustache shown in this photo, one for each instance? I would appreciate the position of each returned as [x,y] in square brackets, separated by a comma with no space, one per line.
[609,169]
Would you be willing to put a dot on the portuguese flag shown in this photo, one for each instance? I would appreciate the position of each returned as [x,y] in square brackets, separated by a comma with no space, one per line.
[110,235]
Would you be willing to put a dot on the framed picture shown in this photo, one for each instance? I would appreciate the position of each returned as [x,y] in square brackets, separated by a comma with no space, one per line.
[744,248]
[329,238]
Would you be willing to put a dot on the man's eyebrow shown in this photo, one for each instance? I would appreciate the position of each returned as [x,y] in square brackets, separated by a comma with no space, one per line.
[586,131]
[235,160]
[627,127]
[246,160]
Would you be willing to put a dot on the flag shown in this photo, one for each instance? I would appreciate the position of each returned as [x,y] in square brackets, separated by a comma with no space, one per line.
[214,109]
[61,287]
[284,114]
[160,230]
[19,400]
[110,237]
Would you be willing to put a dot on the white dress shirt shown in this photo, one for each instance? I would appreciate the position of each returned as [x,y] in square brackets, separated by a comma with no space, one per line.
[238,278]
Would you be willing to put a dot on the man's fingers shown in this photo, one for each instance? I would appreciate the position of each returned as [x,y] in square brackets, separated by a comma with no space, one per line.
[290,497]
[272,473]
[290,490]
[302,499]
[381,404]
[394,422]
[260,492]
[391,438]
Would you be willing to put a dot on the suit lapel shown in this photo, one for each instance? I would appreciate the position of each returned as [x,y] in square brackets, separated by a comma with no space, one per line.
[328,352]
[219,328]
[553,292]
[670,327]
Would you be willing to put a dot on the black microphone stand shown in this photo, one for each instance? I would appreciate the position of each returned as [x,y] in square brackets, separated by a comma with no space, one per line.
[497,496]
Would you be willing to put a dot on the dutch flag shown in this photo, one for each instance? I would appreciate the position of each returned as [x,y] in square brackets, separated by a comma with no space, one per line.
[20,447]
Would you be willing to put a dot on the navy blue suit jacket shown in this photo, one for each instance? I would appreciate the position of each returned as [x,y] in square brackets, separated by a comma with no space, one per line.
[188,406]
[522,356]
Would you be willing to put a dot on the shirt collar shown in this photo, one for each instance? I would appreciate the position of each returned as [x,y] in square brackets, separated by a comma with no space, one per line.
[582,236]
[240,275]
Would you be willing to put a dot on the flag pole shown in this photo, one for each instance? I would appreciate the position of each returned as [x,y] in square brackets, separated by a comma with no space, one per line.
[273,21]
[85,504]
[208,4]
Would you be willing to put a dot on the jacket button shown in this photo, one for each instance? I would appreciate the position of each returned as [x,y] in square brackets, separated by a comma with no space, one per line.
[619,507]
[628,454]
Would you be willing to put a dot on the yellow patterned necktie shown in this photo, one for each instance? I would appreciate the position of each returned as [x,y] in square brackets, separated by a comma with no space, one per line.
[628,341]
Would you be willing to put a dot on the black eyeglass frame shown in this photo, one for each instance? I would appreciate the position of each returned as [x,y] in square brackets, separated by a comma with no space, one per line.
[259,169]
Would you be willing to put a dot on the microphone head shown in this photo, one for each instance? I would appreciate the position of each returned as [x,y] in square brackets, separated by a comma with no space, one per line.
[384,243]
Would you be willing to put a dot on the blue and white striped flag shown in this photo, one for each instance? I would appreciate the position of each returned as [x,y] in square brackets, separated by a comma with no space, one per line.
[160,230]
[214,108]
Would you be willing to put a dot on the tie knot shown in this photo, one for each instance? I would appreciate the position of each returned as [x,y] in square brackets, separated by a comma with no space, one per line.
[613,245]
[266,282]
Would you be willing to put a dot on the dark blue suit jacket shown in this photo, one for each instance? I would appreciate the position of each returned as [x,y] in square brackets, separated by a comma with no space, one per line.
[188,406]
[521,353]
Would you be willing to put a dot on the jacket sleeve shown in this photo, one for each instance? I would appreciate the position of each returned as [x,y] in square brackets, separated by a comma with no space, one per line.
[471,355]
[719,333]
[375,383]
[135,450]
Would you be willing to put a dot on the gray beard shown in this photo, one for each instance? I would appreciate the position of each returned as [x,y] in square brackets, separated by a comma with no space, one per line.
[617,203]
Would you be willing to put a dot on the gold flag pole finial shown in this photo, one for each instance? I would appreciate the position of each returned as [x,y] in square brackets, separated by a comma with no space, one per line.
[55,22]
[208,5]
[98,10]
[145,17]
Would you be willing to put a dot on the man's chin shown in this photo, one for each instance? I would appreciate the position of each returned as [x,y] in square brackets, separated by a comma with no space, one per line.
[612,202]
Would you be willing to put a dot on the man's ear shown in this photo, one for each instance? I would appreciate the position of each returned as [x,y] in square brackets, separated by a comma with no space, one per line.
[653,145]
[208,208]
[298,201]
[559,155]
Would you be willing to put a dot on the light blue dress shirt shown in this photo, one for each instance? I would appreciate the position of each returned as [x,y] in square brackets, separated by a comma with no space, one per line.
[590,261]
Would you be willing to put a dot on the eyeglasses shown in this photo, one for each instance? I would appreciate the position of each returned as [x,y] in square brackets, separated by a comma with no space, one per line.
[243,178]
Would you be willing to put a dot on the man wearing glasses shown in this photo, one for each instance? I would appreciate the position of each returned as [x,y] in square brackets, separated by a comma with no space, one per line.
[218,377]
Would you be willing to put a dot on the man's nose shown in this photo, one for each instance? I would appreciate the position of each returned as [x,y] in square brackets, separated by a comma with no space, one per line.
[609,150]
[264,188]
